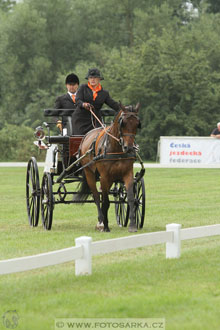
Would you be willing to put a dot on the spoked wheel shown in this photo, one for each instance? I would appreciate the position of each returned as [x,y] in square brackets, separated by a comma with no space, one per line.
[33,192]
[47,203]
[121,207]
[139,202]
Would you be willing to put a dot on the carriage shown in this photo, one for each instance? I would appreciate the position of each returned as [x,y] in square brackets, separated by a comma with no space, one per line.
[63,170]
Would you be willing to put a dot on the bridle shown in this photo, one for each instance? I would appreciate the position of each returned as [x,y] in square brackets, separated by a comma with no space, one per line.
[126,115]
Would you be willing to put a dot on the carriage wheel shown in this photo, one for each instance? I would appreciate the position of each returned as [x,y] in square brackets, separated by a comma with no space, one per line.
[33,192]
[47,204]
[121,208]
[139,202]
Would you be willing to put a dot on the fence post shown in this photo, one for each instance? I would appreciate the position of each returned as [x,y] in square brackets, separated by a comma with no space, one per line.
[83,266]
[173,249]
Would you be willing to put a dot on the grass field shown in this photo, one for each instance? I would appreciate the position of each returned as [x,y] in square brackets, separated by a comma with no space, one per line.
[137,283]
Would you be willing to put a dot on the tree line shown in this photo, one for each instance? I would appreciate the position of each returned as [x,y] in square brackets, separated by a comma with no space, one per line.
[163,54]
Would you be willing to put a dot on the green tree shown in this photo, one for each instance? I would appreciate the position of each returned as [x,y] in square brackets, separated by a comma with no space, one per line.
[6,5]
[65,32]
[17,143]
[23,62]
[211,6]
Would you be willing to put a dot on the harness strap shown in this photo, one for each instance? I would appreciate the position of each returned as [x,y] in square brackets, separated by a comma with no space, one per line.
[89,163]
[117,156]
[98,139]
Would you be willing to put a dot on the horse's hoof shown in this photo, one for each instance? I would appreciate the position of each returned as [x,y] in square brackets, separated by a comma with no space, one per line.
[99,226]
[132,229]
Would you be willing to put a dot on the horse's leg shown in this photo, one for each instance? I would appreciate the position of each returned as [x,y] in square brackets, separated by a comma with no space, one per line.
[105,185]
[91,180]
[129,183]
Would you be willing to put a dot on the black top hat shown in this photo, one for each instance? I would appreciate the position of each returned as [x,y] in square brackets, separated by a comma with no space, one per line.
[72,79]
[94,73]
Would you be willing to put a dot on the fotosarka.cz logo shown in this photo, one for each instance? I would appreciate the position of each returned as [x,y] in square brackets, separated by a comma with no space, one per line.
[109,323]
[10,319]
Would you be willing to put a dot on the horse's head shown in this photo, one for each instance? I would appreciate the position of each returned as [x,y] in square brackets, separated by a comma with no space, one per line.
[128,122]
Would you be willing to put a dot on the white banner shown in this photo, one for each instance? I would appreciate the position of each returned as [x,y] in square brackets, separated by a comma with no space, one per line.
[181,150]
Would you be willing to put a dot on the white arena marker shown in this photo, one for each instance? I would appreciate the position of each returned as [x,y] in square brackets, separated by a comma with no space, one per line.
[173,249]
[83,266]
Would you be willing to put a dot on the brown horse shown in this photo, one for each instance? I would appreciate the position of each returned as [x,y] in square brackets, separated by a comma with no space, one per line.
[111,158]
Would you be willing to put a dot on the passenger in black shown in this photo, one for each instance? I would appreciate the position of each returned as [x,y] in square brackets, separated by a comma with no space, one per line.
[67,101]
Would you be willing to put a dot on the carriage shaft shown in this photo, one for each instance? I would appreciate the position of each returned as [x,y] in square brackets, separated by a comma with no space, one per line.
[66,170]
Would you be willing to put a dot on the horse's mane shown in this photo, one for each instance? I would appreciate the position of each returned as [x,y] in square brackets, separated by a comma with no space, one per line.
[114,128]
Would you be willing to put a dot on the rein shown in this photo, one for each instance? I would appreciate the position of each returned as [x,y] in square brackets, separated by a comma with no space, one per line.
[105,129]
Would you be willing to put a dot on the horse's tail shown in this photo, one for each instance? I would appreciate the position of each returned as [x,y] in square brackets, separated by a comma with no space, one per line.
[83,191]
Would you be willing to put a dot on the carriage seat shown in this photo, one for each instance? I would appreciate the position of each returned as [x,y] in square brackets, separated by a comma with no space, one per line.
[58,112]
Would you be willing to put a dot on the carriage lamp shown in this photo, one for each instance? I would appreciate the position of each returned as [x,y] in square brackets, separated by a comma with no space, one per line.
[39,133]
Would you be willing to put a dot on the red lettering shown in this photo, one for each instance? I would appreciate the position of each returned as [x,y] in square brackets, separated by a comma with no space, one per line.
[185,153]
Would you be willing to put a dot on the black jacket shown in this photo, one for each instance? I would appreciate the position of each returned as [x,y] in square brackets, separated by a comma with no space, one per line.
[64,102]
[215,131]
[83,121]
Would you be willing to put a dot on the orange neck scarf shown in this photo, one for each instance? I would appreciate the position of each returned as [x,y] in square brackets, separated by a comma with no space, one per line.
[95,90]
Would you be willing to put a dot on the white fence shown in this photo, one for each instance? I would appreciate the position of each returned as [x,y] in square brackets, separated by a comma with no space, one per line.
[84,250]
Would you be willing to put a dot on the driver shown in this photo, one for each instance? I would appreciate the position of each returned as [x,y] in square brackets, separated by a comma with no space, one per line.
[90,94]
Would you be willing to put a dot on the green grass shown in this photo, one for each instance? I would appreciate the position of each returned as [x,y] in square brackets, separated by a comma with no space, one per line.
[138,283]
